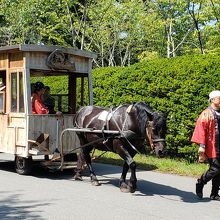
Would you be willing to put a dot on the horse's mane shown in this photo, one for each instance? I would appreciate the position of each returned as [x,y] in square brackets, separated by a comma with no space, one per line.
[144,113]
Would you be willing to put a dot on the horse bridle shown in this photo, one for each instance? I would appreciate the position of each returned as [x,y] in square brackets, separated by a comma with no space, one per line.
[149,132]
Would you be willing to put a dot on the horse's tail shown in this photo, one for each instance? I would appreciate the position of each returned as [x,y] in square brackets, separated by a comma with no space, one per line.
[75,124]
[77,115]
[74,120]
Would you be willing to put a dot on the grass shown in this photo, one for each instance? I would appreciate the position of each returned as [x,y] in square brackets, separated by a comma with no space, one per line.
[164,165]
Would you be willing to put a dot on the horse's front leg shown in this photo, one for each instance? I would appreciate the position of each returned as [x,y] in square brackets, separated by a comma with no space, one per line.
[122,183]
[132,184]
[129,163]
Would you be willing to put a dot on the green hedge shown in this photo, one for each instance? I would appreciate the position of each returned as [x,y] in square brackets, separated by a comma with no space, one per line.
[177,86]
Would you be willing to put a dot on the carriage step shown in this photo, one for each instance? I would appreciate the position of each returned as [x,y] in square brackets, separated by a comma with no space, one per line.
[55,165]
[35,151]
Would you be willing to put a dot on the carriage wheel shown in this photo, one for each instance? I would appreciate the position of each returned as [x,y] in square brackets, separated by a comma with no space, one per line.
[23,166]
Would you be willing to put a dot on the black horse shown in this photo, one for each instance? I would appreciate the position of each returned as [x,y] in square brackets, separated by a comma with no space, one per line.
[122,130]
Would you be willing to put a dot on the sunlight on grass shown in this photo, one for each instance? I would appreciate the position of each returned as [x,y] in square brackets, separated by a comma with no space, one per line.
[165,165]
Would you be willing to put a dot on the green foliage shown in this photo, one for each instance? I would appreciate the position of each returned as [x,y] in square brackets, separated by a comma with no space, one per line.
[119,32]
[177,86]
[59,86]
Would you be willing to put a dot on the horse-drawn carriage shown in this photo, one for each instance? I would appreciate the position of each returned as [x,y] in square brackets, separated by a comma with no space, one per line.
[122,129]
[28,135]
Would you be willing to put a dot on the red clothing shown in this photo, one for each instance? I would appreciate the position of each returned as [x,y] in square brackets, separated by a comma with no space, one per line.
[204,132]
[38,106]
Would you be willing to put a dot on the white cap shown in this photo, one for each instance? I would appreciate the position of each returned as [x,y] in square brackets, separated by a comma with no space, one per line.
[214,94]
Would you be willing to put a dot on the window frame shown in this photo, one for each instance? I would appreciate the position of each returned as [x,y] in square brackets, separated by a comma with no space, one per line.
[3,109]
[19,89]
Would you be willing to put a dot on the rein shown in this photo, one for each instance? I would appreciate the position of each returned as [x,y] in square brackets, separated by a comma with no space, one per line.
[149,132]
[121,130]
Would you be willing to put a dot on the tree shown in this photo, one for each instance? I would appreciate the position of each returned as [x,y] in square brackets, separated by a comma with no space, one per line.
[121,32]
[194,9]
[117,30]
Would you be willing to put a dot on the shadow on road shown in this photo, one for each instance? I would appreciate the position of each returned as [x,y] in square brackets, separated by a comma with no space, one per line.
[39,171]
[145,188]
[148,188]
[10,208]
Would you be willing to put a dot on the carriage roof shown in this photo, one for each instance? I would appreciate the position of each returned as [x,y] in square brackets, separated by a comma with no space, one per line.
[46,48]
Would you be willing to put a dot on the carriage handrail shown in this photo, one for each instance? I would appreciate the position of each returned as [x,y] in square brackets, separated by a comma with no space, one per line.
[91,130]
[87,130]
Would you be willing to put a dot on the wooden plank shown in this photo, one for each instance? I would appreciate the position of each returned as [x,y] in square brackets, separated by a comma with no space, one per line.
[3,137]
[37,60]
[3,61]
[15,60]
[48,124]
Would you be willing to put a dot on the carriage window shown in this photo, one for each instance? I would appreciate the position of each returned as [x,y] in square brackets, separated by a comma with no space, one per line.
[2,91]
[17,93]
[21,93]
[14,92]
[2,102]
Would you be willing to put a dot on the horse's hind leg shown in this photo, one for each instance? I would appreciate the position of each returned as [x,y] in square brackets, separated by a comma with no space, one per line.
[80,167]
[87,158]
[133,180]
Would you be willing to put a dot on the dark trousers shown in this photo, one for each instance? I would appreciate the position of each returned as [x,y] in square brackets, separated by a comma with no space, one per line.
[213,173]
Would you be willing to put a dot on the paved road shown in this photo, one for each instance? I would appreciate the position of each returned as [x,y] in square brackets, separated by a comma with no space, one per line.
[57,196]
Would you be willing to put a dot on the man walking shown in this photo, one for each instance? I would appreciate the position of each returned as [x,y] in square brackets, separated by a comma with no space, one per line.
[207,135]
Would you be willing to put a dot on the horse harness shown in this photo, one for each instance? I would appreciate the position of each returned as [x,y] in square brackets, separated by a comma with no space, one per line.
[124,134]
[149,129]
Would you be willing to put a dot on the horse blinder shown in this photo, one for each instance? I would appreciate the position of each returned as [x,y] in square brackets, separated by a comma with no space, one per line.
[154,141]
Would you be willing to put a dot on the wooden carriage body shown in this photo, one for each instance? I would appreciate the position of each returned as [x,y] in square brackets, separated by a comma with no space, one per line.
[21,130]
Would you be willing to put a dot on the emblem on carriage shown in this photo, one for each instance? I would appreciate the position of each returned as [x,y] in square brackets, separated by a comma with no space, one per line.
[58,60]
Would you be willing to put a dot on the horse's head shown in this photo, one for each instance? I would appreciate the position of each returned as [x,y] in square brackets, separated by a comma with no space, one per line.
[155,132]
[152,125]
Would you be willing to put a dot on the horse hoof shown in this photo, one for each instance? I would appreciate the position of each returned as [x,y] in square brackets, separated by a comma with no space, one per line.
[95,183]
[124,188]
[78,177]
[131,189]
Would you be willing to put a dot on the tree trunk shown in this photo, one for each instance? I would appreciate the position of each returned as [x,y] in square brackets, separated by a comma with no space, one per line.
[168,42]
[84,25]
[196,23]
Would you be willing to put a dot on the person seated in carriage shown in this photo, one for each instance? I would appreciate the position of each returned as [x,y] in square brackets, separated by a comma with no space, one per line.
[48,100]
[37,104]
[38,107]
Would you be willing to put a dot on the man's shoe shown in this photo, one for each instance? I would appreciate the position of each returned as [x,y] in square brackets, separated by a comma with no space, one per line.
[199,188]
[215,197]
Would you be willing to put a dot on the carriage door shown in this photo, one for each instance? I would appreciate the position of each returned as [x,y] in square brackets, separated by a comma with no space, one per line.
[16,123]
[3,115]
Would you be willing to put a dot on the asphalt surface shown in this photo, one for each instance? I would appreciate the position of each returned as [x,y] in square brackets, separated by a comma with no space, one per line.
[56,196]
